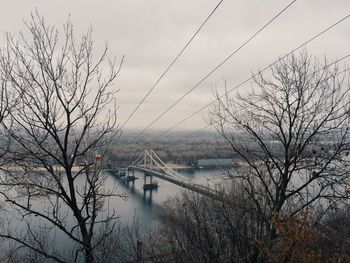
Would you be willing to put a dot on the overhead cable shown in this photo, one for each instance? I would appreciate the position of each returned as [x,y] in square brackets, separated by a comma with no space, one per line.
[209,125]
[171,64]
[254,75]
[214,69]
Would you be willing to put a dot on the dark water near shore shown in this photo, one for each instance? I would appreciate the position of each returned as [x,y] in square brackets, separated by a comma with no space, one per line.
[143,205]
[139,205]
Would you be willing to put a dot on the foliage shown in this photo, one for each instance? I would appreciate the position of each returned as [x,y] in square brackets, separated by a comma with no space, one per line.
[178,148]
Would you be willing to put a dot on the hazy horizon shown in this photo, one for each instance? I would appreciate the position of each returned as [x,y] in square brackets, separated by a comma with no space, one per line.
[151,33]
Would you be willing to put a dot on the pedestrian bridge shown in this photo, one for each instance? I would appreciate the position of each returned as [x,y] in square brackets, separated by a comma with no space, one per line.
[149,163]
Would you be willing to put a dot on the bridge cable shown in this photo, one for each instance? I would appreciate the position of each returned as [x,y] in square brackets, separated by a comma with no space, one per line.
[250,78]
[172,63]
[138,159]
[214,69]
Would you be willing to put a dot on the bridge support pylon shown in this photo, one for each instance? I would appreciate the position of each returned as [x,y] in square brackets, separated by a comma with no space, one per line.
[130,175]
[151,185]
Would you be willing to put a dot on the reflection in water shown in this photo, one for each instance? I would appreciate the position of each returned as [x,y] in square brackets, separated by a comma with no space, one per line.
[147,197]
[144,204]
[141,204]
[138,195]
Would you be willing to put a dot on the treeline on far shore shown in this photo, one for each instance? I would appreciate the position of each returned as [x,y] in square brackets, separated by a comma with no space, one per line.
[179,148]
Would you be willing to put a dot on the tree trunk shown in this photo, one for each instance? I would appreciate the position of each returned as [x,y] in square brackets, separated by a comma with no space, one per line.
[88,253]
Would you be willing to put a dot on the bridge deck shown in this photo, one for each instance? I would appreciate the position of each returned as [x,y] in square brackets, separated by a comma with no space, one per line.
[190,186]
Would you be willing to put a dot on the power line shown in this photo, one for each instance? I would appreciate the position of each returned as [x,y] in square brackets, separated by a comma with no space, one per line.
[172,63]
[209,125]
[214,69]
[198,131]
[260,71]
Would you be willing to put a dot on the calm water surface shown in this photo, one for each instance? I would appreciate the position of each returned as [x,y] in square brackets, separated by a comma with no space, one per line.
[142,204]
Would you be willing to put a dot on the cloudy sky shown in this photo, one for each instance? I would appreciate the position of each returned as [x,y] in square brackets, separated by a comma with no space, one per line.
[151,32]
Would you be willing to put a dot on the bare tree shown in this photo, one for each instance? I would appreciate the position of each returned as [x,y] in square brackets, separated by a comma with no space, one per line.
[197,228]
[62,122]
[292,131]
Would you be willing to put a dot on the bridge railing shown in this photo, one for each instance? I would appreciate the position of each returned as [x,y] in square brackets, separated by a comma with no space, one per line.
[150,161]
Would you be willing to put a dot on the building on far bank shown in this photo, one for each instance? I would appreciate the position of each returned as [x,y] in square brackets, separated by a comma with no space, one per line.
[208,163]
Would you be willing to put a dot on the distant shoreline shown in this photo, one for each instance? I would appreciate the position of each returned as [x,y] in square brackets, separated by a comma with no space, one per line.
[178,166]
[17,168]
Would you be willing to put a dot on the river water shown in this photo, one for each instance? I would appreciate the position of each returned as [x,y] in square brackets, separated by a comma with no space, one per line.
[143,205]
[139,204]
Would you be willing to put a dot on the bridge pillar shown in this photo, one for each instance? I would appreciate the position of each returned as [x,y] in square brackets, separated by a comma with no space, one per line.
[150,185]
[130,175]
[132,170]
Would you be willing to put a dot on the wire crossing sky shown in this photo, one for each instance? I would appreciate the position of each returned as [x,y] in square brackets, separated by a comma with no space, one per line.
[211,125]
[151,34]
[216,68]
[260,71]
[172,63]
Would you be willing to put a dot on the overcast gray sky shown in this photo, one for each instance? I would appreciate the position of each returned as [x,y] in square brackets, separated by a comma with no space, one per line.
[151,32]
